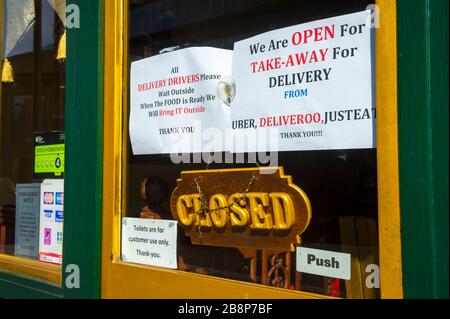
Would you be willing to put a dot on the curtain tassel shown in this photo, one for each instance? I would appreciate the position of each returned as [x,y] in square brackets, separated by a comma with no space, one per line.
[61,55]
[7,72]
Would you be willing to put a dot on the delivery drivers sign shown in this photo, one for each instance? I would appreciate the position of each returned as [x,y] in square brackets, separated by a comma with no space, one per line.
[241,208]
[305,87]
[312,83]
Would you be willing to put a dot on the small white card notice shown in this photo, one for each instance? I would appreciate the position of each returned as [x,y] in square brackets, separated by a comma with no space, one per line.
[324,263]
[150,242]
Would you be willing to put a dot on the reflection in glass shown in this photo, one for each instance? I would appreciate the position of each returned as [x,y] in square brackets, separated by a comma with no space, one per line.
[32,101]
[342,184]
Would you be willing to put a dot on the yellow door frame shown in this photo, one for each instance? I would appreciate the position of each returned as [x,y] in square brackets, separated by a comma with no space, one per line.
[122,280]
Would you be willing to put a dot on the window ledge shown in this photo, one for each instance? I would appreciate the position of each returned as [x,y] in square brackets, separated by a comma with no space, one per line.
[31,268]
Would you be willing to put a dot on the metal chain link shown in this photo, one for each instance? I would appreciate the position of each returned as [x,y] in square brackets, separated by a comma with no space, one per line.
[205,210]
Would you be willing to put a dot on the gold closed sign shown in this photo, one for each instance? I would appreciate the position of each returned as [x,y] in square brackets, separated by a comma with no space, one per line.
[250,207]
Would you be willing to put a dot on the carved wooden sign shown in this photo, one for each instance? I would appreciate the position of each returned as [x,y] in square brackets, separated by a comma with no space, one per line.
[241,208]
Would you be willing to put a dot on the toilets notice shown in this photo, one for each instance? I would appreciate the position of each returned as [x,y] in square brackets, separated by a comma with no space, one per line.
[150,242]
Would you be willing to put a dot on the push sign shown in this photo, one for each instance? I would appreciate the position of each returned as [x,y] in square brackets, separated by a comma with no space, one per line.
[324,263]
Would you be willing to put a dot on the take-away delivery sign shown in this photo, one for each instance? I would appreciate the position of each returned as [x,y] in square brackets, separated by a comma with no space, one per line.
[311,84]
[300,88]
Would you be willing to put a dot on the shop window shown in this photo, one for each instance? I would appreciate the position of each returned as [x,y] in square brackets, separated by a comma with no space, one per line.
[32,131]
[339,183]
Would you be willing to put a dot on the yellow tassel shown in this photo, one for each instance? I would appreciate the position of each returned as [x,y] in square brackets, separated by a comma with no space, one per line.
[61,54]
[7,72]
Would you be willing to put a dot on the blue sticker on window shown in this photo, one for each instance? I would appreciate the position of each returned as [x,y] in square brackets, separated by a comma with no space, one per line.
[48,214]
[59,216]
[59,198]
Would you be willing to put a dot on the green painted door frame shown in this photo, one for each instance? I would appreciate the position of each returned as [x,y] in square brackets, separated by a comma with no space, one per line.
[423,153]
[84,135]
[423,145]
[83,176]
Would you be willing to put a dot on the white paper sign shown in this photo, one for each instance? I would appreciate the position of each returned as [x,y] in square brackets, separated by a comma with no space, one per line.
[174,100]
[310,85]
[324,263]
[51,221]
[27,220]
[150,242]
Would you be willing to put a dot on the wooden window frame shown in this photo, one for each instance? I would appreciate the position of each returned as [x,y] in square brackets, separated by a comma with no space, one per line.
[122,280]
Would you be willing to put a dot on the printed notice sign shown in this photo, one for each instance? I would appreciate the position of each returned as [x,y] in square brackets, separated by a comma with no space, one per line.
[27,220]
[49,152]
[324,263]
[174,101]
[51,221]
[311,84]
[150,242]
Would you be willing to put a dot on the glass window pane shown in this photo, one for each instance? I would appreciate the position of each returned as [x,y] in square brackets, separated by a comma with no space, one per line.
[340,184]
[32,130]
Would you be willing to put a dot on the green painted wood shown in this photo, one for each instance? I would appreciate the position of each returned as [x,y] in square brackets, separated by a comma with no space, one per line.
[439,79]
[83,176]
[423,145]
[84,149]
[15,287]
